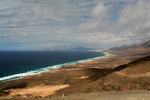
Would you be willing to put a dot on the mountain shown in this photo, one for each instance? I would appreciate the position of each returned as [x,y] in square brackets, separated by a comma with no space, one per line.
[80,49]
[126,68]
[70,49]
[145,44]
[142,48]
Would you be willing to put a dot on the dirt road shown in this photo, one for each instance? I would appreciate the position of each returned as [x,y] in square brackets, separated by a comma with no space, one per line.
[127,95]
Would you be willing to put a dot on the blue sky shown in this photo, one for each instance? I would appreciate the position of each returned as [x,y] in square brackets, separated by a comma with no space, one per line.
[60,24]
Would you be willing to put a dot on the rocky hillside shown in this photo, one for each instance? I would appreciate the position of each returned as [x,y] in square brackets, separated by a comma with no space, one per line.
[142,48]
[145,45]
[132,76]
[125,69]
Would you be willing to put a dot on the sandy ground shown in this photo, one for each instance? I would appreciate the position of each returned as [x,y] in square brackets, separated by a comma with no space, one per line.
[124,95]
[135,75]
[111,73]
[37,91]
[127,95]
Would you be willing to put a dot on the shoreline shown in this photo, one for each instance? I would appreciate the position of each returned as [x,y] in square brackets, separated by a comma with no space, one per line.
[117,70]
[83,77]
[49,68]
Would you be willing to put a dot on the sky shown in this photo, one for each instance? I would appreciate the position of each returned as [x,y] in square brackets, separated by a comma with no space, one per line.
[61,24]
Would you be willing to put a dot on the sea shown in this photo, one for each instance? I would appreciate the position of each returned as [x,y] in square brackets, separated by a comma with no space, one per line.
[18,64]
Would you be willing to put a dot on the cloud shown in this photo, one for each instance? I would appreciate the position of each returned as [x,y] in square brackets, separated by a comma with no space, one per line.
[131,22]
[136,20]
[100,11]
[72,23]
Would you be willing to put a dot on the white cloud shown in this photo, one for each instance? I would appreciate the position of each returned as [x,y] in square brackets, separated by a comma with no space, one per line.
[68,23]
[136,19]
[100,11]
[133,20]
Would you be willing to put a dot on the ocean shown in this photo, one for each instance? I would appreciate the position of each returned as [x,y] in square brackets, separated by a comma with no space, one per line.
[18,64]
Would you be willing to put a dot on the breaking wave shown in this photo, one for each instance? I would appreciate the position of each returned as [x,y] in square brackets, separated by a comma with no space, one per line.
[45,69]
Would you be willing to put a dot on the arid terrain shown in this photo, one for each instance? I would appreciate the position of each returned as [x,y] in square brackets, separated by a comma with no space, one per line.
[126,68]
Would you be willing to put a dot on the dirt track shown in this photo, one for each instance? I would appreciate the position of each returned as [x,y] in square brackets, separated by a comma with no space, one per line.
[122,71]
[126,95]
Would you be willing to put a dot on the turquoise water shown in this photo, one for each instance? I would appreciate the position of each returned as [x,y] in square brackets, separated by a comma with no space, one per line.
[15,65]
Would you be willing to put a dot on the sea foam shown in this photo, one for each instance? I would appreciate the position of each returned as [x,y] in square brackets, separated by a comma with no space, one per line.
[45,69]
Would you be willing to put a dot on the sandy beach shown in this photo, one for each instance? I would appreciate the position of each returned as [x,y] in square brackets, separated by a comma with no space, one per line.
[118,71]
[74,49]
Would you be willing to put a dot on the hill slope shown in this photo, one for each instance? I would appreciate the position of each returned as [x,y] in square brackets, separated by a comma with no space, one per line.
[132,76]
[127,69]
[142,48]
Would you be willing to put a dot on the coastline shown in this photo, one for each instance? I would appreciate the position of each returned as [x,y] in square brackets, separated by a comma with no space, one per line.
[119,70]
[98,75]
[50,68]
